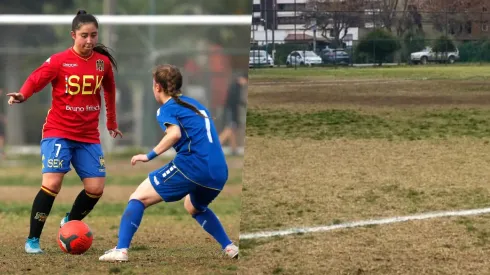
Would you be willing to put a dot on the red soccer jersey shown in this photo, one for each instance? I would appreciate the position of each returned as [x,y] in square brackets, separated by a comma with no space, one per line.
[76,100]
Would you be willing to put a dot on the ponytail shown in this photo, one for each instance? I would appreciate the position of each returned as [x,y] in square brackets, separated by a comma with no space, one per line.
[100,48]
[187,105]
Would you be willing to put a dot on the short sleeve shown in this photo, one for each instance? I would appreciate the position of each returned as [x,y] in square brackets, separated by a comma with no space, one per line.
[167,115]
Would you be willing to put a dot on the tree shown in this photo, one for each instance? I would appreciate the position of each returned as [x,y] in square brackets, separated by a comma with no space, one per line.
[378,45]
[334,17]
[454,17]
[413,41]
[389,13]
[443,44]
[409,19]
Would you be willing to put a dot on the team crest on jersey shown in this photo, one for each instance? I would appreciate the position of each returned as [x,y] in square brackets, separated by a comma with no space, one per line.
[102,161]
[99,65]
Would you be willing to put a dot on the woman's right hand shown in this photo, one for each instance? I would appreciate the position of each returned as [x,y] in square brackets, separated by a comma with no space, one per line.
[15,98]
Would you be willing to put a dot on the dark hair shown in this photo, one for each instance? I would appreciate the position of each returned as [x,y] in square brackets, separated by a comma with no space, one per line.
[170,78]
[83,18]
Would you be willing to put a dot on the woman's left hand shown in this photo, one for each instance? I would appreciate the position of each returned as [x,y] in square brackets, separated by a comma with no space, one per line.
[115,133]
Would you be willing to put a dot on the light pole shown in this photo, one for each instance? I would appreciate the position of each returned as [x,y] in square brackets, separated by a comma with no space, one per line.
[264,23]
[274,4]
[314,35]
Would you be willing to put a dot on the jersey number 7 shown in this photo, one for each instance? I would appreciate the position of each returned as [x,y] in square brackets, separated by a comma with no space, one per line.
[208,125]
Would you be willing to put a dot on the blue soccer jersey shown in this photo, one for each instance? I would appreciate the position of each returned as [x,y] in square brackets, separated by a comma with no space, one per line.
[199,157]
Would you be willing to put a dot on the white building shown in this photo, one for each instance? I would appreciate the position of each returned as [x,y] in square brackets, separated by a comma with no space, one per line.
[288,19]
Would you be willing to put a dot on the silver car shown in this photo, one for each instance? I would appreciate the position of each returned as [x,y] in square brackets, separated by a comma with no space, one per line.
[308,58]
[427,55]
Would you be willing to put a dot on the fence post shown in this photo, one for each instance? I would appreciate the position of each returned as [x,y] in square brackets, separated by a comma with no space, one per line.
[374,52]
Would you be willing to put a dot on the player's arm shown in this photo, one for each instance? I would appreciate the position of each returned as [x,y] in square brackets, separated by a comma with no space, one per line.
[109,85]
[171,136]
[37,80]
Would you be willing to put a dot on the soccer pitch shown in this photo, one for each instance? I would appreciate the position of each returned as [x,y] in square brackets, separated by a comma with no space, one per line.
[332,146]
[168,241]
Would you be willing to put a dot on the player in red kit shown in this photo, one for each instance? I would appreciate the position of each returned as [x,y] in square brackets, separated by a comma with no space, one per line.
[70,133]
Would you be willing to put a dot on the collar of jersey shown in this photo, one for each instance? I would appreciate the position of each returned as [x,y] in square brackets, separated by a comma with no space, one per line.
[168,100]
[81,57]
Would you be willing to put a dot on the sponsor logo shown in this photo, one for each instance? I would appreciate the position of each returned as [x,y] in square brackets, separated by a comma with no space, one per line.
[70,65]
[87,108]
[41,216]
[86,84]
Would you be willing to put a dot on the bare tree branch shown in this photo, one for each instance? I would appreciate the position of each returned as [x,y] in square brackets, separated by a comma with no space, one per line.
[454,16]
[334,17]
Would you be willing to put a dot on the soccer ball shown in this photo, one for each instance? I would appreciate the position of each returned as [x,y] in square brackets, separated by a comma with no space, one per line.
[75,237]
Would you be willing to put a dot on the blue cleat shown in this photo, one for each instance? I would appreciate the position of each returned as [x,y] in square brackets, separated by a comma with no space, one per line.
[64,220]
[32,246]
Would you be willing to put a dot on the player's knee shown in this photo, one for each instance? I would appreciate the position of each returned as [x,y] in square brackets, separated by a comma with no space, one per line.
[94,189]
[140,197]
[189,207]
[134,196]
[52,181]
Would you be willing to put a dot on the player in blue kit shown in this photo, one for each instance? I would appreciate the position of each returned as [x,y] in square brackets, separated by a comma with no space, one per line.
[198,172]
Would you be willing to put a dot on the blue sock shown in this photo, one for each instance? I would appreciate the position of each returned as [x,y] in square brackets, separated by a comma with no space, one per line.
[130,222]
[212,225]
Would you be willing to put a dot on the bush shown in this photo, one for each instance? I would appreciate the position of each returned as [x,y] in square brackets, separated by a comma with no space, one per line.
[378,44]
[475,51]
[443,44]
[413,41]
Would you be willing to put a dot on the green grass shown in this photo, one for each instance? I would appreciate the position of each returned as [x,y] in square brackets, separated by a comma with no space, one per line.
[221,206]
[477,229]
[73,180]
[393,125]
[422,199]
[399,72]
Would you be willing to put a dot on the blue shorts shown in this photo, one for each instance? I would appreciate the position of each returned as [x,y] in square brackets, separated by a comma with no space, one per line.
[86,158]
[172,185]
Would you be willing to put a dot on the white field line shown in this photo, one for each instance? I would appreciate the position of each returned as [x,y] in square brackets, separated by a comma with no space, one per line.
[423,216]
[326,83]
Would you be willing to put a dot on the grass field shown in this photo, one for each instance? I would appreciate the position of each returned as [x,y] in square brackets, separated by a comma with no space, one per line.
[327,146]
[169,241]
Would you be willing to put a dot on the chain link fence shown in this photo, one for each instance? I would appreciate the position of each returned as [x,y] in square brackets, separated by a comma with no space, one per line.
[372,35]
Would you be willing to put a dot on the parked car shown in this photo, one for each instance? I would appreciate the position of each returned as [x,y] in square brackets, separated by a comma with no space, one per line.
[301,58]
[428,55]
[335,56]
[260,58]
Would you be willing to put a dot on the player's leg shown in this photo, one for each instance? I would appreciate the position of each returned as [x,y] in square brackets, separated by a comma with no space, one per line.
[2,139]
[196,204]
[88,161]
[227,132]
[2,145]
[56,156]
[144,196]
[235,121]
